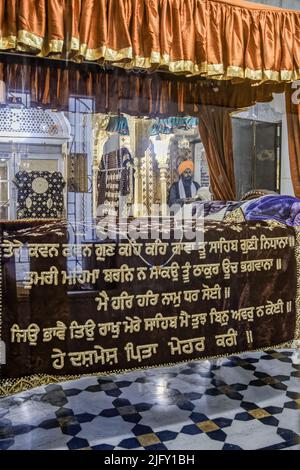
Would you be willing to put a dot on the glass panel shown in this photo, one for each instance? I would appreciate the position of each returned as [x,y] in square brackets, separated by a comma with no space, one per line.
[243,140]
[3,213]
[92,171]
[266,165]
[256,151]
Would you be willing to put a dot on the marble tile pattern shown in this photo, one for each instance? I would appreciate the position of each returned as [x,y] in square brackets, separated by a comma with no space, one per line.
[250,401]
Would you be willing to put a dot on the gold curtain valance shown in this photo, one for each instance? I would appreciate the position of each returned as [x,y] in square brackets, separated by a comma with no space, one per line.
[214,38]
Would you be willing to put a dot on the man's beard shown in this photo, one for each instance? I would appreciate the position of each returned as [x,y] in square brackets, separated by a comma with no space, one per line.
[187,179]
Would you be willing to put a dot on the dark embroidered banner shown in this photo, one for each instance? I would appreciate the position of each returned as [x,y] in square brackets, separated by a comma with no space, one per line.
[40,194]
[105,306]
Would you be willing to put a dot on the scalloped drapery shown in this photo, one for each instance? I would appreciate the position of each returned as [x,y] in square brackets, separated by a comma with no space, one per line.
[227,39]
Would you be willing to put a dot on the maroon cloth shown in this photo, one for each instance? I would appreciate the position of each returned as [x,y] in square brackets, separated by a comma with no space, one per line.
[45,305]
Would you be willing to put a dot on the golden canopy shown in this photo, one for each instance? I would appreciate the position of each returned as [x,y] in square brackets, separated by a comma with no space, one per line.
[215,38]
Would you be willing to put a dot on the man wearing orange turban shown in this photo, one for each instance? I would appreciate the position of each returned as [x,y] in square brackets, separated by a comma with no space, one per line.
[185,188]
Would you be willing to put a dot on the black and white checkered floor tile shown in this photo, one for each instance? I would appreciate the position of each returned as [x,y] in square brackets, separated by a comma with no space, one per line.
[249,402]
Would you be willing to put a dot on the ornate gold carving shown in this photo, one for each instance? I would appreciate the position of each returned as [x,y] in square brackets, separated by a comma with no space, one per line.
[297,254]
[236,216]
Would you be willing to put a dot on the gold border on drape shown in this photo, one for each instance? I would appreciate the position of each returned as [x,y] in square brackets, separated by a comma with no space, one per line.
[297,332]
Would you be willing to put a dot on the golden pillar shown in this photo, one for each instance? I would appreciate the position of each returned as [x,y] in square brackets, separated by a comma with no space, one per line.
[139,131]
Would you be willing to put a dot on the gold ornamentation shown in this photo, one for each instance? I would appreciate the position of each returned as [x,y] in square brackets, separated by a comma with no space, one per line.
[40,185]
[217,71]
[236,216]
[297,254]
[27,41]
[104,53]
[274,224]
[236,227]
[8,42]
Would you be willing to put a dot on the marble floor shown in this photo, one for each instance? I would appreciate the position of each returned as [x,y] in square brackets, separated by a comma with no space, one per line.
[249,402]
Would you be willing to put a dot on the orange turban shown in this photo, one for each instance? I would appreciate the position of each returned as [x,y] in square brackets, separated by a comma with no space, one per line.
[184,165]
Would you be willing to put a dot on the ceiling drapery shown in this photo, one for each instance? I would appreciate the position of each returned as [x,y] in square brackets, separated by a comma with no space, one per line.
[51,84]
[215,38]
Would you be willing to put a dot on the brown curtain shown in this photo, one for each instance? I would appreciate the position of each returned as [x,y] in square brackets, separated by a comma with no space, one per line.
[212,38]
[216,102]
[51,83]
[216,135]
[293,122]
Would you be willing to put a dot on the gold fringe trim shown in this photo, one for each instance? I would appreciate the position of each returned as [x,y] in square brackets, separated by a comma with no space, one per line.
[105,53]
[26,41]
[12,386]
[297,254]
[216,71]
[29,39]
[8,42]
